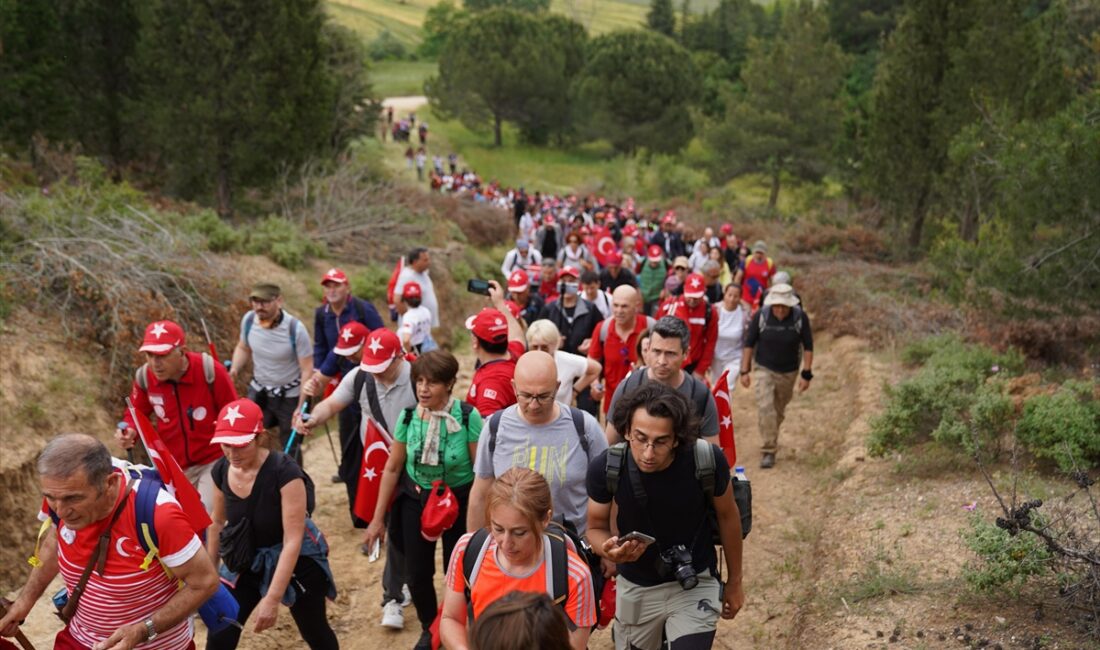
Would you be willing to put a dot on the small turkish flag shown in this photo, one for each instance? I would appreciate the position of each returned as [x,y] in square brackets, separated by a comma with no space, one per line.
[725,418]
[174,478]
[376,451]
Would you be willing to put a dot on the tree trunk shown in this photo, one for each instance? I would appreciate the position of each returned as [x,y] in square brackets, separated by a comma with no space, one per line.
[497,140]
[968,224]
[916,228]
[774,197]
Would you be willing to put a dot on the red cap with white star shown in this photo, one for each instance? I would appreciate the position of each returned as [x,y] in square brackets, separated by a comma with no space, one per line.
[162,337]
[380,349]
[518,281]
[489,325]
[351,338]
[695,286]
[238,423]
[656,253]
[411,290]
[335,275]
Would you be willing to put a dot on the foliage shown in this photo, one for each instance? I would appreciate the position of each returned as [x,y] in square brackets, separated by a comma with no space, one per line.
[636,89]
[665,176]
[726,31]
[220,236]
[661,17]
[1004,560]
[789,115]
[530,6]
[353,110]
[386,47]
[858,26]
[440,20]
[371,282]
[1064,426]
[881,576]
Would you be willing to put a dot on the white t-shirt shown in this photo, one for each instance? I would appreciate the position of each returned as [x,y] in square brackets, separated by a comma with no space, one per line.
[571,367]
[417,323]
[427,290]
[727,350]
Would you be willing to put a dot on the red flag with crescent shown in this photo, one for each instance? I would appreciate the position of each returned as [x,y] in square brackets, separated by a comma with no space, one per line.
[605,247]
[376,451]
[725,418]
[174,478]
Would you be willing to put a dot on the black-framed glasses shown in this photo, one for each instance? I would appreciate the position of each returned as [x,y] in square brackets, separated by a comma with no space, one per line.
[537,399]
[660,444]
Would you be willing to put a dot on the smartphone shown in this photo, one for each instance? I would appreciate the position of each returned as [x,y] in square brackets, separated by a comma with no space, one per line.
[375,551]
[478,286]
[636,537]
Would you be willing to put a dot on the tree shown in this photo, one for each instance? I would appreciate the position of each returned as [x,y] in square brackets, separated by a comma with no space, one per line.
[859,26]
[636,90]
[354,110]
[661,18]
[234,90]
[726,30]
[530,6]
[789,116]
[490,72]
[440,20]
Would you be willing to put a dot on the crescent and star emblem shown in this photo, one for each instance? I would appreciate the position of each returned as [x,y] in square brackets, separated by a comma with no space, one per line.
[118,546]
[370,474]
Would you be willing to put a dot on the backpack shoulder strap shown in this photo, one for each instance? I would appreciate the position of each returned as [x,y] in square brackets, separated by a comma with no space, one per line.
[141,378]
[292,325]
[578,424]
[364,381]
[249,318]
[604,327]
[616,460]
[704,466]
[494,424]
[797,312]
[707,317]
[145,504]
[558,572]
[763,316]
[650,322]
[208,374]
[472,559]
[466,409]
[408,417]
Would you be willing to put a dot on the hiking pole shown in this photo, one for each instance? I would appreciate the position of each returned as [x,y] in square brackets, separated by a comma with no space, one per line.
[294,431]
[328,434]
[209,341]
[19,636]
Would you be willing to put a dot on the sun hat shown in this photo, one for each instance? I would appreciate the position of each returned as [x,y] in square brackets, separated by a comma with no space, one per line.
[781,294]
[239,422]
[760,246]
[161,337]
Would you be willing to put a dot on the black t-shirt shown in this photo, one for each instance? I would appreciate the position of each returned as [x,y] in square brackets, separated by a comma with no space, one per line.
[608,283]
[267,513]
[676,513]
[779,347]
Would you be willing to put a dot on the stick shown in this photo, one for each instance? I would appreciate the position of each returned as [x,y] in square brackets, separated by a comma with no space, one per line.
[331,445]
[294,431]
[209,342]
[19,636]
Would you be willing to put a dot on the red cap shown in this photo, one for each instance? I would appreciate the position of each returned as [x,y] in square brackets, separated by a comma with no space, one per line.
[655,253]
[518,281]
[411,290]
[695,286]
[513,307]
[585,230]
[162,337]
[335,275]
[379,350]
[668,218]
[548,219]
[630,229]
[238,423]
[726,229]
[351,338]
[439,513]
[568,271]
[489,325]
[614,258]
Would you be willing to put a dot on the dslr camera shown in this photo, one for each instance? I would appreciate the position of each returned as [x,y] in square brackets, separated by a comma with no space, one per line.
[677,561]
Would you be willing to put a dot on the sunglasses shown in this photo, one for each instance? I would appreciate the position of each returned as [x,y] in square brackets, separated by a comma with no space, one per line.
[679,268]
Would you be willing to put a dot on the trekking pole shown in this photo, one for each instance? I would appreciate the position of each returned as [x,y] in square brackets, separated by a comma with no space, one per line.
[328,434]
[209,341]
[19,636]
[294,431]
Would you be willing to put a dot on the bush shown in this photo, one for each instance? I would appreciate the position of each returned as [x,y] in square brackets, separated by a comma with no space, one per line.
[386,47]
[371,284]
[1064,427]
[283,242]
[1004,560]
[220,236]
[665,176]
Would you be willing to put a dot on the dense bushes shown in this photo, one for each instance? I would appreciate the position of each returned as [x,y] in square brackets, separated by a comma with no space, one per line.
[1064,426]
[1003,560]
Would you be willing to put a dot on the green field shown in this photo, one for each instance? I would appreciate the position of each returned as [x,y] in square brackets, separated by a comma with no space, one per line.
[400,78]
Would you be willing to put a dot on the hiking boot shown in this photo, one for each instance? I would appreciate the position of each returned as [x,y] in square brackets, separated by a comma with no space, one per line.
[336,478]
[767,461]
[392,616]
[425,642]
[406,597]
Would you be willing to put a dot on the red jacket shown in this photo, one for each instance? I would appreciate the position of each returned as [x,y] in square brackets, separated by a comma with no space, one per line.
[184,412]
[610,353]
[703,334]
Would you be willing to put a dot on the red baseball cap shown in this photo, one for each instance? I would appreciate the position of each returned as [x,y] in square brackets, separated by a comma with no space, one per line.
[238,423]
[379,350]
[614,258]
[726,229]
[695,286]
[351,339]
[518,281]
[161,337]
[513,307]
[335,275]
[411,290]
[655,253]
[489,325]
[548,219]
[668,218]
[568,271]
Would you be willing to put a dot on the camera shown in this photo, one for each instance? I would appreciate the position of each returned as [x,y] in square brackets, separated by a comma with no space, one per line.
[677,560]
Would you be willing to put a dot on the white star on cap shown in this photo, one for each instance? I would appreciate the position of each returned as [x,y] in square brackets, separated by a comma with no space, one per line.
[232,414]
[375,345]
[347,335]
[158,329]
[498,322]
[331,273]
[695,282]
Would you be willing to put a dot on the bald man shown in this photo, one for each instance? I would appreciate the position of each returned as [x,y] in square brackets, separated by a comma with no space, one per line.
[539,433]
[615,341]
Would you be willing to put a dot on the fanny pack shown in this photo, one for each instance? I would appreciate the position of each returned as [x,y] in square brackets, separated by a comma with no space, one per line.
[274,391]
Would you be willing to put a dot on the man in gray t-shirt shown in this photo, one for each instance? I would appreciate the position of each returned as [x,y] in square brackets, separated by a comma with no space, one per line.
[538,433]
[281,353]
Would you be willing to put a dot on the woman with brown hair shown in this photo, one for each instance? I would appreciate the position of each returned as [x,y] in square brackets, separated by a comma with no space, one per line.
[514,556]
[435,441]
[521,621]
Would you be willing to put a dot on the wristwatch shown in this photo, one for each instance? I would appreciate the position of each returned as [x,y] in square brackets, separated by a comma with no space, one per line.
[150,631]
[807,375]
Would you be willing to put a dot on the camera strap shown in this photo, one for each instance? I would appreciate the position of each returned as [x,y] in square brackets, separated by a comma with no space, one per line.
[640,496]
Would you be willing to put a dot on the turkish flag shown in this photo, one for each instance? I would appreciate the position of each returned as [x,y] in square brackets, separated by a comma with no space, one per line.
[605,246]
[174,478]
[376,451]
[725,418]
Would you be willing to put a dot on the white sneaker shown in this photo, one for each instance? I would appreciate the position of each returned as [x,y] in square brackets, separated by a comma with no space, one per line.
[392,616]
[406,597]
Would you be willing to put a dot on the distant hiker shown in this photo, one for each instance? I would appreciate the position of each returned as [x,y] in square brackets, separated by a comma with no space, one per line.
[755,275]
[615,343]
[421,160]
[184,390]
[668,239]
[422,132]
[519,292]
[712,283]
[632,259]
[416,322]
[416,269]
[89,513]
[279,348]
[452,161]
[389,115]
[284,559]
[732,325]
[779,339]
[593,292]
[522,257]
[576,254]
[702,321]
[652,278]
[548,237]
[497,341]
[575,317]
[410,157]
[617,275]
[519,208]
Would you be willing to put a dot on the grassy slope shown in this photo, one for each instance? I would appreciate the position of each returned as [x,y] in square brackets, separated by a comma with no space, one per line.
[400,78]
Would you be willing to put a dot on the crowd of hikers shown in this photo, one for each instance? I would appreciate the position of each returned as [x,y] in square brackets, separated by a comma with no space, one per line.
[605,358]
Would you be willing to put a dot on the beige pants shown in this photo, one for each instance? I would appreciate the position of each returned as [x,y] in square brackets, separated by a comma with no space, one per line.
[773,393]
[200,477]
[645,615]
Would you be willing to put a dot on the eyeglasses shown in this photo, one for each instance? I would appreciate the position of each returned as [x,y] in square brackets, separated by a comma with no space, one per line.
[537,399]
[679,268]
[659,444]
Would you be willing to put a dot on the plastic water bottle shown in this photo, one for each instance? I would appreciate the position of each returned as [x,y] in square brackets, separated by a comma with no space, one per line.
[739,472]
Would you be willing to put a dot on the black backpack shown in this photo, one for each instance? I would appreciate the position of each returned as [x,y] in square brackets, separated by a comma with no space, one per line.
[578,424]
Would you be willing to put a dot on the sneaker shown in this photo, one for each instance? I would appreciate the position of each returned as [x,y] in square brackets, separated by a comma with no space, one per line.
[767,461]
[392,616]
[336,478]
[406,597]
[425,642]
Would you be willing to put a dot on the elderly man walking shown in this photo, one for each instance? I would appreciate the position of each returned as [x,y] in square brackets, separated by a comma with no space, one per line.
[780,340]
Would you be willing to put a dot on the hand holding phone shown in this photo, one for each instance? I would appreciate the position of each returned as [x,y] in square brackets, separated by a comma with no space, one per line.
[478,286]
[635,536]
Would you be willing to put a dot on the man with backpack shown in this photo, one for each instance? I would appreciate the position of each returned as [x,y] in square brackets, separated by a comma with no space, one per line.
[185,391]
[279,348]
[672,493]
[381,388]
[668,345]
[702,322]
[615,343]
[92,509]
[554,439]
[780,340]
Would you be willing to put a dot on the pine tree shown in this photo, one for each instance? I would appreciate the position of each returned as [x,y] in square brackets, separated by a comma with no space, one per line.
[661,17]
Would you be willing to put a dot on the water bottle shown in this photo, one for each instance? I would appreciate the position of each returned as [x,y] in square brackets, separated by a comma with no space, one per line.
[739,472]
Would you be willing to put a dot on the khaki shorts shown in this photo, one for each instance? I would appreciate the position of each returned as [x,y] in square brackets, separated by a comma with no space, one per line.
[644,616]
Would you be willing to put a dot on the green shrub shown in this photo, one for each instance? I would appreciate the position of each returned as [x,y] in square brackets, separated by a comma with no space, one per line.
[220,236]
[282,241]
[665,176]
[1003,560]
[386,47]
[371,284]
[1064,427]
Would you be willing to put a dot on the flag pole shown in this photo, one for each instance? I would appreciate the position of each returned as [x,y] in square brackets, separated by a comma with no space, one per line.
[209,341]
